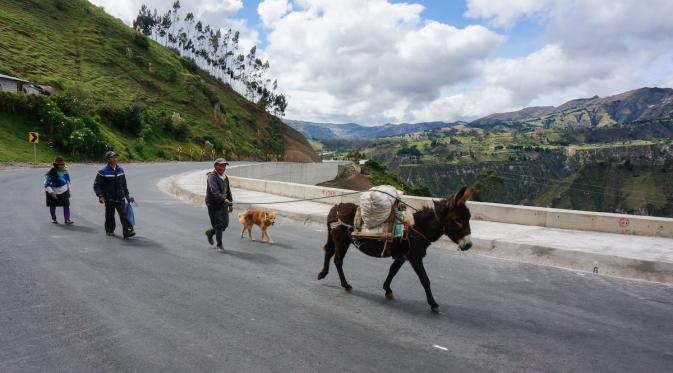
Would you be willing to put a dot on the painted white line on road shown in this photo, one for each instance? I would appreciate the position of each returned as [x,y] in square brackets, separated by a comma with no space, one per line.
[440,347]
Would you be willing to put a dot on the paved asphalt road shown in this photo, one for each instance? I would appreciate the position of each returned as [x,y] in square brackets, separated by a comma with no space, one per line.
[75,300]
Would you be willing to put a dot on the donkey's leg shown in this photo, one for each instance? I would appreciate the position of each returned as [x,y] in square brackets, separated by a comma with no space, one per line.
[341,245]
[417,264]
[329,252]
[397,264]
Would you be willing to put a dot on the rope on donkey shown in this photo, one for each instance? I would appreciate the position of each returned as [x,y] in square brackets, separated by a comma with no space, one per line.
[295,200]
[326,197]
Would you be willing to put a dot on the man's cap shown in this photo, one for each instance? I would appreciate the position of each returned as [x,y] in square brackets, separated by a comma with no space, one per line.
[58,160]
[221,161]
[110,154]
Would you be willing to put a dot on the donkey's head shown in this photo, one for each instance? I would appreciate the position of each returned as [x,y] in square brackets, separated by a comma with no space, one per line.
[454,216]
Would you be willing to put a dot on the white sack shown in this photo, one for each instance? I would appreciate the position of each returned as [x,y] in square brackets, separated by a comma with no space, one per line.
[375,206]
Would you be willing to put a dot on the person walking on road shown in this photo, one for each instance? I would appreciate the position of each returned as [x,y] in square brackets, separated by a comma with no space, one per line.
[219,202]
[111,189]
[57,190]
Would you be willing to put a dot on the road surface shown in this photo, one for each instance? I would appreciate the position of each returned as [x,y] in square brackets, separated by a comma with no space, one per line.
[75,300]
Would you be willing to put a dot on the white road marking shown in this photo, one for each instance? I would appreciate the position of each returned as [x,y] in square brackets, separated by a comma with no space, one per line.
[440,347]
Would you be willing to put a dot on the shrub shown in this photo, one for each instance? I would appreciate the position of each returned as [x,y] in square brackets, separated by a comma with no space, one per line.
[172,75]
[182,131]
[210,95]
[374,165]
[141,40]
[189,64]
[139,144]
[75,102]
[127,118]
[21,103]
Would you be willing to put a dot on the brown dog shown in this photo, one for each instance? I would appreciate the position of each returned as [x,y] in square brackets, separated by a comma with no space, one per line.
[264,219]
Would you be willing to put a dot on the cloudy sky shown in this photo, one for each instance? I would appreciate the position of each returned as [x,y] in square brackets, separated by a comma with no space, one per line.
[381,61]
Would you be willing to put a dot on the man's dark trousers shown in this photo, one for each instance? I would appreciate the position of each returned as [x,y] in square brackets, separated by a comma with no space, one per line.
[219,220]
[110,225]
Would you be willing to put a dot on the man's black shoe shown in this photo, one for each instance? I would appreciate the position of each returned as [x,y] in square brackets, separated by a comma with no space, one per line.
[110,233]
[130,234]
[209,235]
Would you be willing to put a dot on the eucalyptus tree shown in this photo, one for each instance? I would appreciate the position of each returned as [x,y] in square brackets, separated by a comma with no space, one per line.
[176,17]
[144,22]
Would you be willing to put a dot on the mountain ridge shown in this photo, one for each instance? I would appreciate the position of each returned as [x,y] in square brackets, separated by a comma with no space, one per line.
[330,131]
[640,104]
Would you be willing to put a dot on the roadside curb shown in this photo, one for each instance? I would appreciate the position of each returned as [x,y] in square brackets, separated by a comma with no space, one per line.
[608,265]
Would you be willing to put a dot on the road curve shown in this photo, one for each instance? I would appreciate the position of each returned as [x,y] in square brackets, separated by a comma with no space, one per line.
[75,300]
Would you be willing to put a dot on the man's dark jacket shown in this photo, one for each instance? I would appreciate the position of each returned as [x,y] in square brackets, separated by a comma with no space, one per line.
[111,184]
[218,190]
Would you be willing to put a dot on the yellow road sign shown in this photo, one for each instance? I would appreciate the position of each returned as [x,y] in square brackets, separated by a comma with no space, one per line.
[33,137]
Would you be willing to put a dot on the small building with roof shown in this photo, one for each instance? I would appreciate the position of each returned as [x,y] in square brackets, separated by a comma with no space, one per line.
[17,85]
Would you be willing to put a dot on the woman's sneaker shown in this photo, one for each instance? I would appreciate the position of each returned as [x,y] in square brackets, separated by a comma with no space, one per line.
[69,222]
[220,250]
[54,221]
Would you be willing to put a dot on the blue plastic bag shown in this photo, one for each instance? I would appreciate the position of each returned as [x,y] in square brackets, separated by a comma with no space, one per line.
[129,213]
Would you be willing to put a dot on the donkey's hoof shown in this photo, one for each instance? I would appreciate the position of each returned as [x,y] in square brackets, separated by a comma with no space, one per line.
[435,308]
[322,275]
[389,295]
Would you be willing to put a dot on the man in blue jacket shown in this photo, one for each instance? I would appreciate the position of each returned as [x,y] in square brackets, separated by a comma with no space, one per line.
[110,187]
[219,202]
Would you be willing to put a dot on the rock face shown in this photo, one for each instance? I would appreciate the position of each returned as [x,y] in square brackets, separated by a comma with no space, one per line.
[350,177]
[631,179]
[638,105]
[297,149]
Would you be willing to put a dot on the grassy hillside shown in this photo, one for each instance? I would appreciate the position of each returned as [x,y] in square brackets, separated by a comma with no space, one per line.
[77,47]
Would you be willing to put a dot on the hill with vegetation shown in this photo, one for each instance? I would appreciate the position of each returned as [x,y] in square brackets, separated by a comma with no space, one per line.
[332,131]
[120,89]
[621,163]
[643,104]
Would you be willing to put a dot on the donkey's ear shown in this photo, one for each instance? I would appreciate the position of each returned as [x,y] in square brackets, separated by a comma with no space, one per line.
[460,194]
[466,194]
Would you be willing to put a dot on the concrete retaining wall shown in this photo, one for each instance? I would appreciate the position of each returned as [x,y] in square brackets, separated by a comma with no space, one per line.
[302,173]
[313,173]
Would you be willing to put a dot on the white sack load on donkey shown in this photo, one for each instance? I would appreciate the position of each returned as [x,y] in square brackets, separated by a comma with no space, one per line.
[381,215]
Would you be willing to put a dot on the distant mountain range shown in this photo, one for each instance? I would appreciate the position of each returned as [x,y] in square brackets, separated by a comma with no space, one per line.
[329,131]
[637,105]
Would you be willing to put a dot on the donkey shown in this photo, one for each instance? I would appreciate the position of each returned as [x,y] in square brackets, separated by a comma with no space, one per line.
[450,217]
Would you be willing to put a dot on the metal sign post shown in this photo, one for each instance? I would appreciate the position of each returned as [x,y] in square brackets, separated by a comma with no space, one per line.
[34,138]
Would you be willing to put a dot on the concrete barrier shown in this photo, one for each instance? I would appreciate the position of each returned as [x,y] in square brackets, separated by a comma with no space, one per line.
[513,214]
[301,173]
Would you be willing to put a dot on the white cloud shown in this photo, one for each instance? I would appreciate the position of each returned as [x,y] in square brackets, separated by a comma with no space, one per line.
[271,11]
[211,11]
[227,7]
[333,61]
[593,47]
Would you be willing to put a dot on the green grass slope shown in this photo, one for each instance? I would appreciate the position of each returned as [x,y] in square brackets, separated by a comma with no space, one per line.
[72,44]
